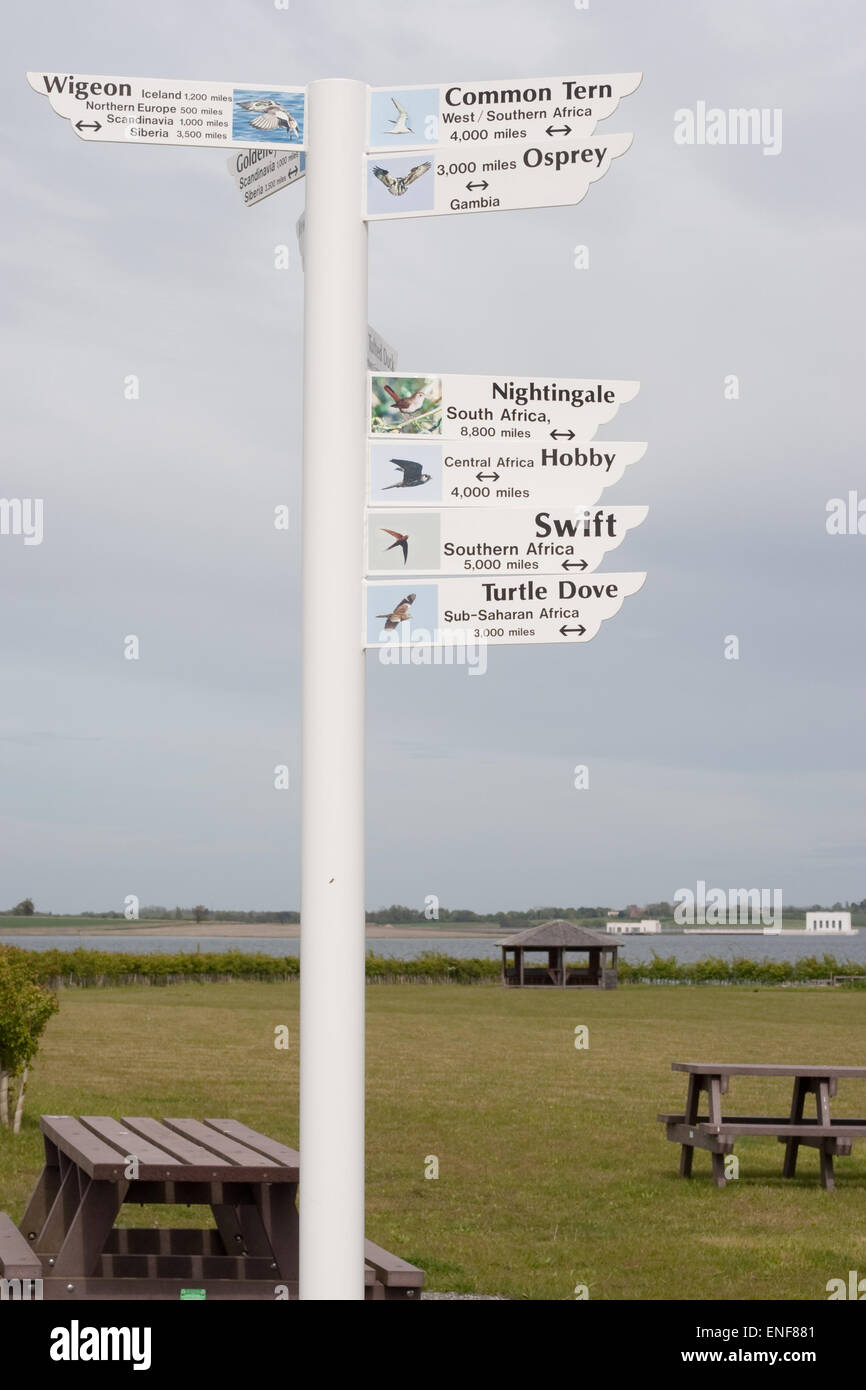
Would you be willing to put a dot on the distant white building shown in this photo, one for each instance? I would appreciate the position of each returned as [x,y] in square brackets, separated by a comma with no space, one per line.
[828,921]
[643,928]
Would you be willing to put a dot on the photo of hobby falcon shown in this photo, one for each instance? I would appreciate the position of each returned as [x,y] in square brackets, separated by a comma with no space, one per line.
[272,117]
[398,183]
[399,539]
[413,475]
[399,614]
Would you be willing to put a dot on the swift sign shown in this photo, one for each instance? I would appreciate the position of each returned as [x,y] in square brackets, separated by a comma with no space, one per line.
[450,180]
[457,542]
[177,111]
[500,611]
[493,113]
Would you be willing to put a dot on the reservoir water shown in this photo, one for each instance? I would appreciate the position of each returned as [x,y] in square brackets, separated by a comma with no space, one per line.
[633,948]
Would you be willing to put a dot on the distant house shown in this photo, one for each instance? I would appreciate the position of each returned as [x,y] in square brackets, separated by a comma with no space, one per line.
[643,928]
[828,921]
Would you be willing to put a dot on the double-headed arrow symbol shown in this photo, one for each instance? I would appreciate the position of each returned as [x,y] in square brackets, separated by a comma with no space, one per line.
[580,630]
[562,434]
[487,477]
[477,185]
[558,130]
[87,125]
[574,564]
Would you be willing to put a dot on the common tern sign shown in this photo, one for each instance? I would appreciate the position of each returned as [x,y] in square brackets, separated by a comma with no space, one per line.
[494,114]
[177,111]
[446,179]
[501,611]
[450,541]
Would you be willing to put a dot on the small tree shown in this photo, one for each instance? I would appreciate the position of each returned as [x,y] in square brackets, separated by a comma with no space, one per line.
[24,908]
[200,913]
[25,1008]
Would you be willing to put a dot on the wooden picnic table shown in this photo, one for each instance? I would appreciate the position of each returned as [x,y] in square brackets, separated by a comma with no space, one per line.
[830,1136]
[94,1164]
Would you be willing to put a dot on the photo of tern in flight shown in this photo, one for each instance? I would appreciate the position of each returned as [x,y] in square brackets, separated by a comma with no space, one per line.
[400,122]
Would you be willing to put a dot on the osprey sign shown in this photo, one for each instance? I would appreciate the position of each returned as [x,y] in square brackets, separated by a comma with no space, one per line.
[494,114]
[481,180]
[177,111]
[501,611]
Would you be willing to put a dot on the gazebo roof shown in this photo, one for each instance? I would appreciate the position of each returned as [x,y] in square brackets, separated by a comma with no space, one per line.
[558,932]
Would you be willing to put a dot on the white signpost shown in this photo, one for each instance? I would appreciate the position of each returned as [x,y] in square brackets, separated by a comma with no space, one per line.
[509,457]
[451,541]
[484,473]
[444,180]
[492,114]
[498,611]
[483,408]
[258,172]
[176,111]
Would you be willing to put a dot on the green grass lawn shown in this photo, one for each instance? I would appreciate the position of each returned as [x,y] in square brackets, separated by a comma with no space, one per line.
[553,1170]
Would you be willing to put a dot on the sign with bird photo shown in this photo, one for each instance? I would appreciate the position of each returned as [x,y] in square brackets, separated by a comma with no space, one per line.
[500,611]
[490,114]
[259,173]
[474,475]
[176,111]
[483,408]
[449,541]
[540,174]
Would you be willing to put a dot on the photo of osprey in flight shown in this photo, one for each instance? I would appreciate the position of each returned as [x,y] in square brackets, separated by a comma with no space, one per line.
[272,116]
[398,183]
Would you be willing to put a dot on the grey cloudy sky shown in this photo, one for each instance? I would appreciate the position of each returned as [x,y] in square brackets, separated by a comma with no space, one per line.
[155,777]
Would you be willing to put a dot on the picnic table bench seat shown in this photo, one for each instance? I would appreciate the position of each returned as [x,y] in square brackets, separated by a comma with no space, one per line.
[95,1164]
[832,1137]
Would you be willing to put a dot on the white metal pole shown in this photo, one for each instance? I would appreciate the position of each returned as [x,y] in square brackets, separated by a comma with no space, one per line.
[332,857]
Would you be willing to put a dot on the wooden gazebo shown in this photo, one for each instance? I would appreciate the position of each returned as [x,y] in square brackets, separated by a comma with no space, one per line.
[557,939]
